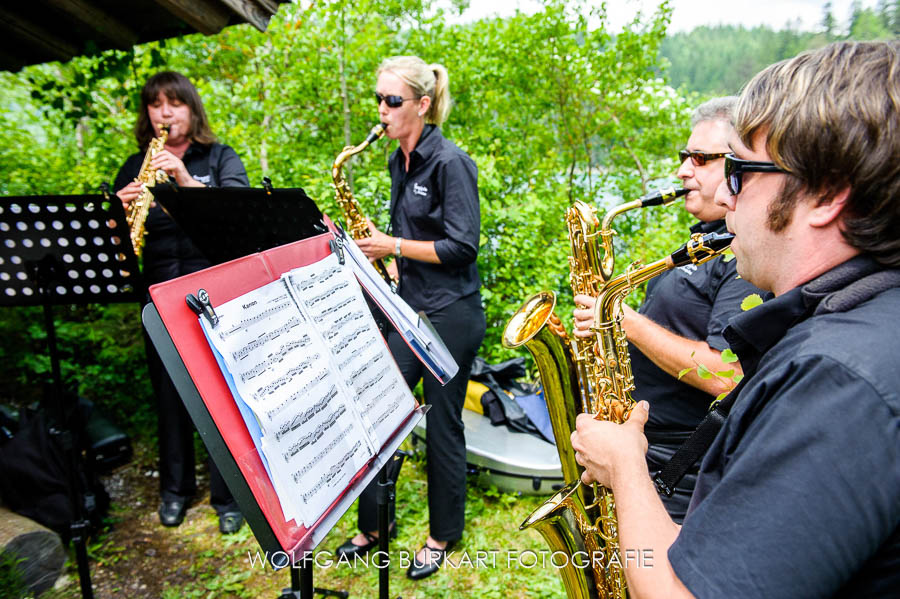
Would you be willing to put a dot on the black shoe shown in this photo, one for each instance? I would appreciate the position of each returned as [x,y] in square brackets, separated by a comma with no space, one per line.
[230,522]
[349,550]
[171,513]
[419,570]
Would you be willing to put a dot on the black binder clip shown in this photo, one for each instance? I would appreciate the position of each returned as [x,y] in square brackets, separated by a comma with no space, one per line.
[267,185]
[337,247]
[104,189]
[201,306]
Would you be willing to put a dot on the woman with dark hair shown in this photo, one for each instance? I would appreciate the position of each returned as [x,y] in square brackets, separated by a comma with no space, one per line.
[191,158]
[435,223]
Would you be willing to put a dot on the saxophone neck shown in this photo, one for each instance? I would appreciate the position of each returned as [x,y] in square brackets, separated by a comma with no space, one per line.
[662,197]
[349,151]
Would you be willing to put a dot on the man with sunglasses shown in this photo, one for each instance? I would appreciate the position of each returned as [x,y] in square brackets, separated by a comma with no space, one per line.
[798,493]
[680,323]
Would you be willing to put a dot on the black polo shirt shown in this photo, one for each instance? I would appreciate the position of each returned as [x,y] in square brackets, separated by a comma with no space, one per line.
[694,302]
[437,200]
[168,252]
[799,495]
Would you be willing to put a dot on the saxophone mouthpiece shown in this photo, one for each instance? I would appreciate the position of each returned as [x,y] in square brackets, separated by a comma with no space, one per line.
[376,132]
[663,196]
[700,249]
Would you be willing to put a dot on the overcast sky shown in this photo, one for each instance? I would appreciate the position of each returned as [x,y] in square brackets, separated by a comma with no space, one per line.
[689,14]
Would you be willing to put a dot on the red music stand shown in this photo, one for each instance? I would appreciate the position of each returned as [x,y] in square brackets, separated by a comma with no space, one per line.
[178,337]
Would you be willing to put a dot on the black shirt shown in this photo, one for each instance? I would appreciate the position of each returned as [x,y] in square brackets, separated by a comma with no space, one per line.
[799,495]
[168,252]
[695,302]
[436,200]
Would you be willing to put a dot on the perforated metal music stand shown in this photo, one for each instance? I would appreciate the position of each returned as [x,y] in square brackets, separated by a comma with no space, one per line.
[66,250]
[231,222]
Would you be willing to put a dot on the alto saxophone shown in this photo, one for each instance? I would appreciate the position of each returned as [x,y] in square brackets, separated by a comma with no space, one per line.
[565,521]
[354,219]
[137,211]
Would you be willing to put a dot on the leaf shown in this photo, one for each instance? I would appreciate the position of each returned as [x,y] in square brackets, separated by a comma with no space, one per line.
[722,396]
[751,301]
[703,372]
[737,378]
[684,372]
[725,374]
[728,356]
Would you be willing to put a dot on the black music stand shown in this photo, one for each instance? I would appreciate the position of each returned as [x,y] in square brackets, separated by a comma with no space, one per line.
[230,222]
[66,250]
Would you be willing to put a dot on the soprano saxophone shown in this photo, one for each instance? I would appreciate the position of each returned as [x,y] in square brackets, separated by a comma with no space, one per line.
[137,211]
[355,220]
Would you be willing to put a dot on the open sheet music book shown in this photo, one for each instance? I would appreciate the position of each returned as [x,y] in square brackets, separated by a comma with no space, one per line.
[314,379]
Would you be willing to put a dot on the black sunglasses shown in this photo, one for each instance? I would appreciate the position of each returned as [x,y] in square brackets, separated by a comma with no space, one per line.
[735,169]
[698,158]
[391,101]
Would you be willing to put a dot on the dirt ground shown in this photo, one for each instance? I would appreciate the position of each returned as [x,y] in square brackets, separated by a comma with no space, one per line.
[136,556]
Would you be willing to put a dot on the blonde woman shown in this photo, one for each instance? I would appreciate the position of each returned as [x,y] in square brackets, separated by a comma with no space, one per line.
[434,236]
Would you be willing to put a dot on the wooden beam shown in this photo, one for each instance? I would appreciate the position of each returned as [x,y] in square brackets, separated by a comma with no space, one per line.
[256,12]
[206,16]
[36,36]
[104,25]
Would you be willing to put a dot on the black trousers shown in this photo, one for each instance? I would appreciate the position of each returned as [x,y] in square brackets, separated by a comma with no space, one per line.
[461,325]
[177,480]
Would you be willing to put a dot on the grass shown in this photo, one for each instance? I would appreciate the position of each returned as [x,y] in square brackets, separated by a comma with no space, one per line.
[493,560]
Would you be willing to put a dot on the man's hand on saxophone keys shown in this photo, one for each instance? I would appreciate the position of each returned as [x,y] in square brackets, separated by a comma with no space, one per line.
[608,450]
[583,315]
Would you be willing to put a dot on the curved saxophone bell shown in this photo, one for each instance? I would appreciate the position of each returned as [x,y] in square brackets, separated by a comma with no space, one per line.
[537,327]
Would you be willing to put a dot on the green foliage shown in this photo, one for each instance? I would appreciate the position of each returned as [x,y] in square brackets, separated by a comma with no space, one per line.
[551,106]
[11,579]
[719,60]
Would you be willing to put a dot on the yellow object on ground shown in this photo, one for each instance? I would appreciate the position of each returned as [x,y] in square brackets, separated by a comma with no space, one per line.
[474,391]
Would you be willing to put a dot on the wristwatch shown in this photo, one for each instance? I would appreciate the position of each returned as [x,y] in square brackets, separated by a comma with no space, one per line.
[397,247]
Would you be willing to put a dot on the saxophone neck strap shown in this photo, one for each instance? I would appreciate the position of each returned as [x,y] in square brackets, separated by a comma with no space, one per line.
[668,477]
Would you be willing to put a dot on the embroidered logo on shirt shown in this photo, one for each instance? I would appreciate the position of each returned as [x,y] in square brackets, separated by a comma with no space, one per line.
[201,178]
[420,190]
[688,269]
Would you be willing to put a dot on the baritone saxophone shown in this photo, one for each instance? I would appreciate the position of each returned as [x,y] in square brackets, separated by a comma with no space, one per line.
[564,362]
[588,532]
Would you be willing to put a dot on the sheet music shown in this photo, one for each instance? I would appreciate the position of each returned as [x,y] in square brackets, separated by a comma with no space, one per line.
[330,295]
[314,442]
[306,357]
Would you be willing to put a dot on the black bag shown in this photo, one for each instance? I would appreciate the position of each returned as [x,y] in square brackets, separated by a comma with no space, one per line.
[500,379]
[35,479]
